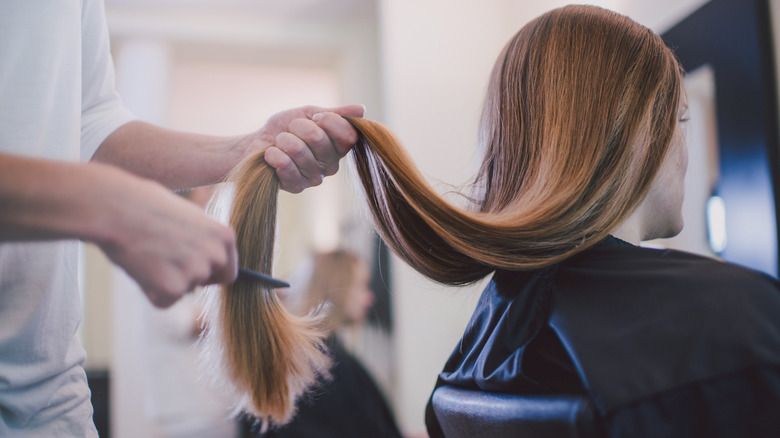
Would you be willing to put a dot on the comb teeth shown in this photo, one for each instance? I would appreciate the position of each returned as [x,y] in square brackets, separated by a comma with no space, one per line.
[267,280]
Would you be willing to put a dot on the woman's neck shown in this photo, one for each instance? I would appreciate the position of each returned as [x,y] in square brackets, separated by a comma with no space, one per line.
[630,230]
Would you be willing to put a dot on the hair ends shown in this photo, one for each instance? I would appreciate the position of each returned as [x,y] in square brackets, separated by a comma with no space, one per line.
[252,344]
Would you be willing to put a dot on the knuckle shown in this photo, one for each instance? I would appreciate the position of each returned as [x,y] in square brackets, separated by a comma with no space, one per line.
[227,236]
[307,130]
[289,179]
[201,269]
[218,261]
[315,135]
[346,132]
[315,180]
[342,133]
[351,137]
[172,287]
[332,169]
[283,139]
[310,109]
[293,188]
[294,147]
[159,299]
[284,165]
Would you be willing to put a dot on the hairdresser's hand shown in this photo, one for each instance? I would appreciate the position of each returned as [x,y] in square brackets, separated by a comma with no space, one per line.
[164,242]
[305,144]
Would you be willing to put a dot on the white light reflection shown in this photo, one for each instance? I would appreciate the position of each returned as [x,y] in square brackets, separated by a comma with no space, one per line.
[716,223]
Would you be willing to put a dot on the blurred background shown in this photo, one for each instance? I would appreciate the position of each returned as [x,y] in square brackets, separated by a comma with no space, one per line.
[421,67]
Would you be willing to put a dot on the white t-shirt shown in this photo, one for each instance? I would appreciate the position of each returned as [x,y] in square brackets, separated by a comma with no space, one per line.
[58,102]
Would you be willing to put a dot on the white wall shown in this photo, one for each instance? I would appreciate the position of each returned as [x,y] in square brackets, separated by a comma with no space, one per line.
[658,15]
[142,79]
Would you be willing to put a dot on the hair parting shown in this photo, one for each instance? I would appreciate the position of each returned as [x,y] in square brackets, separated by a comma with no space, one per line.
[252,343]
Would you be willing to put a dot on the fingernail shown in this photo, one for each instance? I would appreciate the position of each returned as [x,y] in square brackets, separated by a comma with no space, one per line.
[317,117]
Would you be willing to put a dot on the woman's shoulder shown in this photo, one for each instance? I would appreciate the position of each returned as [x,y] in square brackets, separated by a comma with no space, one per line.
[677,317]
[668,292]
[650,268]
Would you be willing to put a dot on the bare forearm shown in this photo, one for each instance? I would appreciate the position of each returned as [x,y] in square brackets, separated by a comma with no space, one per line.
[43,199]
[175,159]
[303,145]
[166,243]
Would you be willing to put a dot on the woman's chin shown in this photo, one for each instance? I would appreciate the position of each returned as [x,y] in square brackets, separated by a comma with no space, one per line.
[673,229]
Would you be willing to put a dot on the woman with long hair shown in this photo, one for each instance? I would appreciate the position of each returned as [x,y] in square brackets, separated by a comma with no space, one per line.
[584,157]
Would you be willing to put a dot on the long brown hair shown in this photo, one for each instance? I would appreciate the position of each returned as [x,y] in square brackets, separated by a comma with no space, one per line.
[579,114]
[580,111]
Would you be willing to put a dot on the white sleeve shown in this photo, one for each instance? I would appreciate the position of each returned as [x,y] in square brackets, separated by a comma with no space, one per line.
[102,111]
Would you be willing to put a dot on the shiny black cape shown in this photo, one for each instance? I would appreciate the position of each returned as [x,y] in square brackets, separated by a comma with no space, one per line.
[348,405]
[665,343]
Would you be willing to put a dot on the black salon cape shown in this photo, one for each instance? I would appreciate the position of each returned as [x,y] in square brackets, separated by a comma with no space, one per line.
[665,343]
[349,405]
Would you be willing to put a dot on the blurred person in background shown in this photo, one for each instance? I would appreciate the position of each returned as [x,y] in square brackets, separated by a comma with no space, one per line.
[349,404]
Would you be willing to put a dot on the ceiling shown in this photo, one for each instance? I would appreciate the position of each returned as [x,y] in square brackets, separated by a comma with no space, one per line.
[283,10]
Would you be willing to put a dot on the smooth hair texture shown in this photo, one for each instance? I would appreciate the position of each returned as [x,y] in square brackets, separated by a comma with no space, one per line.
[579,115]
[580,112]
[252,343]
[329,284]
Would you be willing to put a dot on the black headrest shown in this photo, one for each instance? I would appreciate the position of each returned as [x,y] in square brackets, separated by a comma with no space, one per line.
[468,413]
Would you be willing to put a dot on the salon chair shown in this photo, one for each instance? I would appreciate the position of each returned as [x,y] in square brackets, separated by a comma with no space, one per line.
[464,413]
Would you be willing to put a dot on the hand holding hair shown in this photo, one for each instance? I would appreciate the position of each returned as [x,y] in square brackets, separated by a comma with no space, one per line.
[305,144]
[267,355]
[270,356]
